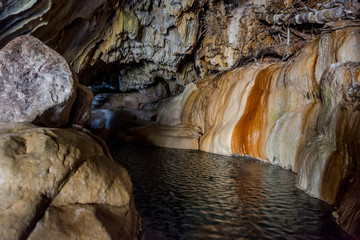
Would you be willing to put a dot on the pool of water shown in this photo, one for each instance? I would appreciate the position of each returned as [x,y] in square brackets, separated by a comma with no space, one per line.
[187,194]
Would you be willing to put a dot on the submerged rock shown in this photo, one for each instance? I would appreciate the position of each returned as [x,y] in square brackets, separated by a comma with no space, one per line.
[66,175]
[36,84]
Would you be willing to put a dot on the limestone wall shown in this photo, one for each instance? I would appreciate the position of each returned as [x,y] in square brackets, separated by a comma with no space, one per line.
[302,114]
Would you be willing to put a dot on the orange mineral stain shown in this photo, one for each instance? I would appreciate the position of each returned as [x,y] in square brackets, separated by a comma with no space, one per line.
[249,133]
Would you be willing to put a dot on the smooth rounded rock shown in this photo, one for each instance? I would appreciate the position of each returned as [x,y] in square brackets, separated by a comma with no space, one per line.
[50,175]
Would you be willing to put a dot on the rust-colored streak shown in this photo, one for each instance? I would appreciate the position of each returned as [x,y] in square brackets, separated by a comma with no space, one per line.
[248,135]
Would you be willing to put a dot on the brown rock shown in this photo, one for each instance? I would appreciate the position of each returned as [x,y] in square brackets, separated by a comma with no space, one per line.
[81,110]
[86,222]
[36,84]
[348,209]
[97,181]
[37,164]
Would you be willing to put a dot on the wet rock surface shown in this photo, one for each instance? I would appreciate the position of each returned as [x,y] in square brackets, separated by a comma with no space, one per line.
[301,115]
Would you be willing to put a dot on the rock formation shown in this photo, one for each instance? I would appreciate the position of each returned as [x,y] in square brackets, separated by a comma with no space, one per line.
[276,80]
[61,184]
[134,44]
[55,183]
[36,84]
[154,36]
[81,109]
[302,114]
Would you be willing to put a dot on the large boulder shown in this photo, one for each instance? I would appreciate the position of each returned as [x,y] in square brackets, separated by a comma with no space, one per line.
[36,84]
[57,183]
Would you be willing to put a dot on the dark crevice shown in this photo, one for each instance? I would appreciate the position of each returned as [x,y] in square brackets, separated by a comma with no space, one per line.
[45,201]
[40,212]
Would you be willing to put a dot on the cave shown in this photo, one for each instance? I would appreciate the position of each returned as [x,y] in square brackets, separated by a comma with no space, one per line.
[180,119]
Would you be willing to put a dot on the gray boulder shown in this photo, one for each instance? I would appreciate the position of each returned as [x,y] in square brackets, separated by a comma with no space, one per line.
[36,84]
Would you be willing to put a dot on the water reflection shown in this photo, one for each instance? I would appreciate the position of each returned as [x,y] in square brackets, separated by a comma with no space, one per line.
[187,194]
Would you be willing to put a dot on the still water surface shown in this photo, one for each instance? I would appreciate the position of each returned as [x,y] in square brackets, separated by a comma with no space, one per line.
[187,194]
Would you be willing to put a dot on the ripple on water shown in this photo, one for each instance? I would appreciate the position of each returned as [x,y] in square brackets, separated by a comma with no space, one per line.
[187,194]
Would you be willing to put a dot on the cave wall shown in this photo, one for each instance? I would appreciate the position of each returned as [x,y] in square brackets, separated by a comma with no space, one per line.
[137,40]
[131,44]
[251,85]
[302,114]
